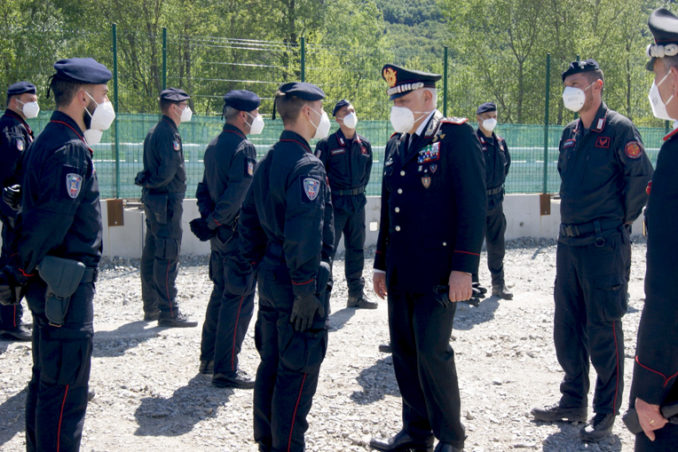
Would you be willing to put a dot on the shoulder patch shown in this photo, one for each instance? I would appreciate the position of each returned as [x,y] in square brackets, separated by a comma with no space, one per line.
[177,145]
[311,187]
[633,149]
[20,145]
[73,184]
[250,168]
[454,120]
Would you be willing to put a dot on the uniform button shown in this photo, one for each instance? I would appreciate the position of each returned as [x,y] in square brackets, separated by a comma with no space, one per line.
[444,243]
[402,173]
[397,209]
[400,191]
[397,228]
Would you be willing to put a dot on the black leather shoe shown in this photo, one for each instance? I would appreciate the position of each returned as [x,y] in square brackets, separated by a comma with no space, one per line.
[598,428]
[500,291]
[446,447]
[177,321]
[480,290]
[151,316]
[91,393]
[361,302]
[557,413]
[403,442]
[240,380]
[385,348]
[207,367]
[20,334]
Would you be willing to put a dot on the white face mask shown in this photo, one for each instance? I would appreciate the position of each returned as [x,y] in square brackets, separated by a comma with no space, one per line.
[103,115]
[30,109]
[489,124]
[323,127]
[656,102]
[186,114]
[402,119]
[350,120]
[93,136]
[257,125]
[573,98]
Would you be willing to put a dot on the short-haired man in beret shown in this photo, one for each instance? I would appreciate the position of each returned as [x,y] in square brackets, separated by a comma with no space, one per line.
[164,185]
[604,171]
[58,250]
[15,137]
[286,231]
[229,166]
[655,371]
[347,157]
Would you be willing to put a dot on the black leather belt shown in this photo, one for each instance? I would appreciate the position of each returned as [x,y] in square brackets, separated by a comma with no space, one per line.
[494,191]
[577,230]
[349,192]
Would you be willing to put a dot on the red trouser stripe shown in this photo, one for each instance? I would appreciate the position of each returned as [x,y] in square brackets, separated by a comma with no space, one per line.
[14,323]
[294,415]
[61,417]
[616,352]
[235,332]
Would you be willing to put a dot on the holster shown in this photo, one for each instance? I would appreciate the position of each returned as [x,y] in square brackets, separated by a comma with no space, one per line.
[63,276]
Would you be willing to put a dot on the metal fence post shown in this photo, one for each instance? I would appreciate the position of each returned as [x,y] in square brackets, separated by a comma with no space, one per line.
[445,81]
[115,105]
[303,59]
[546,122]
[164,58]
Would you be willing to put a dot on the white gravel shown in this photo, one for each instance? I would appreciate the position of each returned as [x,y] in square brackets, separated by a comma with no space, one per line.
[150,397]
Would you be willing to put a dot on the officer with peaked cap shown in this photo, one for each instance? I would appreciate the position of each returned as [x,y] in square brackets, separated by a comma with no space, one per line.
[655,372]
[164,185]
[15,136]
[604,171]
[58,251]
[229,166]
[286,231]
[497,161]
[430,234]
[347,157]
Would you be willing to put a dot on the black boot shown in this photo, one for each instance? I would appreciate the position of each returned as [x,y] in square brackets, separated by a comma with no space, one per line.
[402,441]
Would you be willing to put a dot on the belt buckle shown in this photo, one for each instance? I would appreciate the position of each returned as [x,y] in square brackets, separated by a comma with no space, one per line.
[569,230]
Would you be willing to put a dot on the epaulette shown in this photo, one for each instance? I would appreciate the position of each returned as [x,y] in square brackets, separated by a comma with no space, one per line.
[454,120]
[394,134]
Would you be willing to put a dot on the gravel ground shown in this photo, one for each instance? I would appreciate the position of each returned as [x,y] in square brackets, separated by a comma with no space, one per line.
[150,397]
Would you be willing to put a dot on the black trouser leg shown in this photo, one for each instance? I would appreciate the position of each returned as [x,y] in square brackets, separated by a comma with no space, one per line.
[266,341]
[354,242]
[234,319]
[495,229]
[666,439]
[148,290]
[210,326]
[424,366]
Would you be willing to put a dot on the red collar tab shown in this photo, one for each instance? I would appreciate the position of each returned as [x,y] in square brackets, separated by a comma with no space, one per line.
[671,134]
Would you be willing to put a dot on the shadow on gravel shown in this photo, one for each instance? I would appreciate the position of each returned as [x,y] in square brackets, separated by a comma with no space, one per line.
[377,381]
[110,344]
[468,316]
[337,320]
[177,415]
[12,416]
[567,439]
[3,345]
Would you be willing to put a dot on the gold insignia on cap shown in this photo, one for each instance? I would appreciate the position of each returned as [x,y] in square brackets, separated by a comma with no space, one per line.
[390,76]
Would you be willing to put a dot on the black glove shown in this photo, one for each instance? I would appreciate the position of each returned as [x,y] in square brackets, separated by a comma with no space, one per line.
[12,196]
[303,311]
[442,295]
[12,284]
[141,178]
[201,230]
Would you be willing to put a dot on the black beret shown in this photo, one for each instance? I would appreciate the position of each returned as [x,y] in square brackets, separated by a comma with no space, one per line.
[175,95]
[576,67]
[302,90]
[21,88]
[487,106]
[664,28]
[401,81]
[82,70]
[341,104]
[242,100]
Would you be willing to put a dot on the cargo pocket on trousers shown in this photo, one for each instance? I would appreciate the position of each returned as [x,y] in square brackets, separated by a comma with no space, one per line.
[65,362]
[156,204]
[610,295]
[303,352]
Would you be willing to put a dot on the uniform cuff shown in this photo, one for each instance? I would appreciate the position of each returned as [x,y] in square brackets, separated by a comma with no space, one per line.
[465,261]
[303,288]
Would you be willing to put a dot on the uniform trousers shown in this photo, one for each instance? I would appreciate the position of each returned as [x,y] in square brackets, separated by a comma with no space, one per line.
[349,221]
[57,392]
[423,360]
[287,376]
[590,300]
